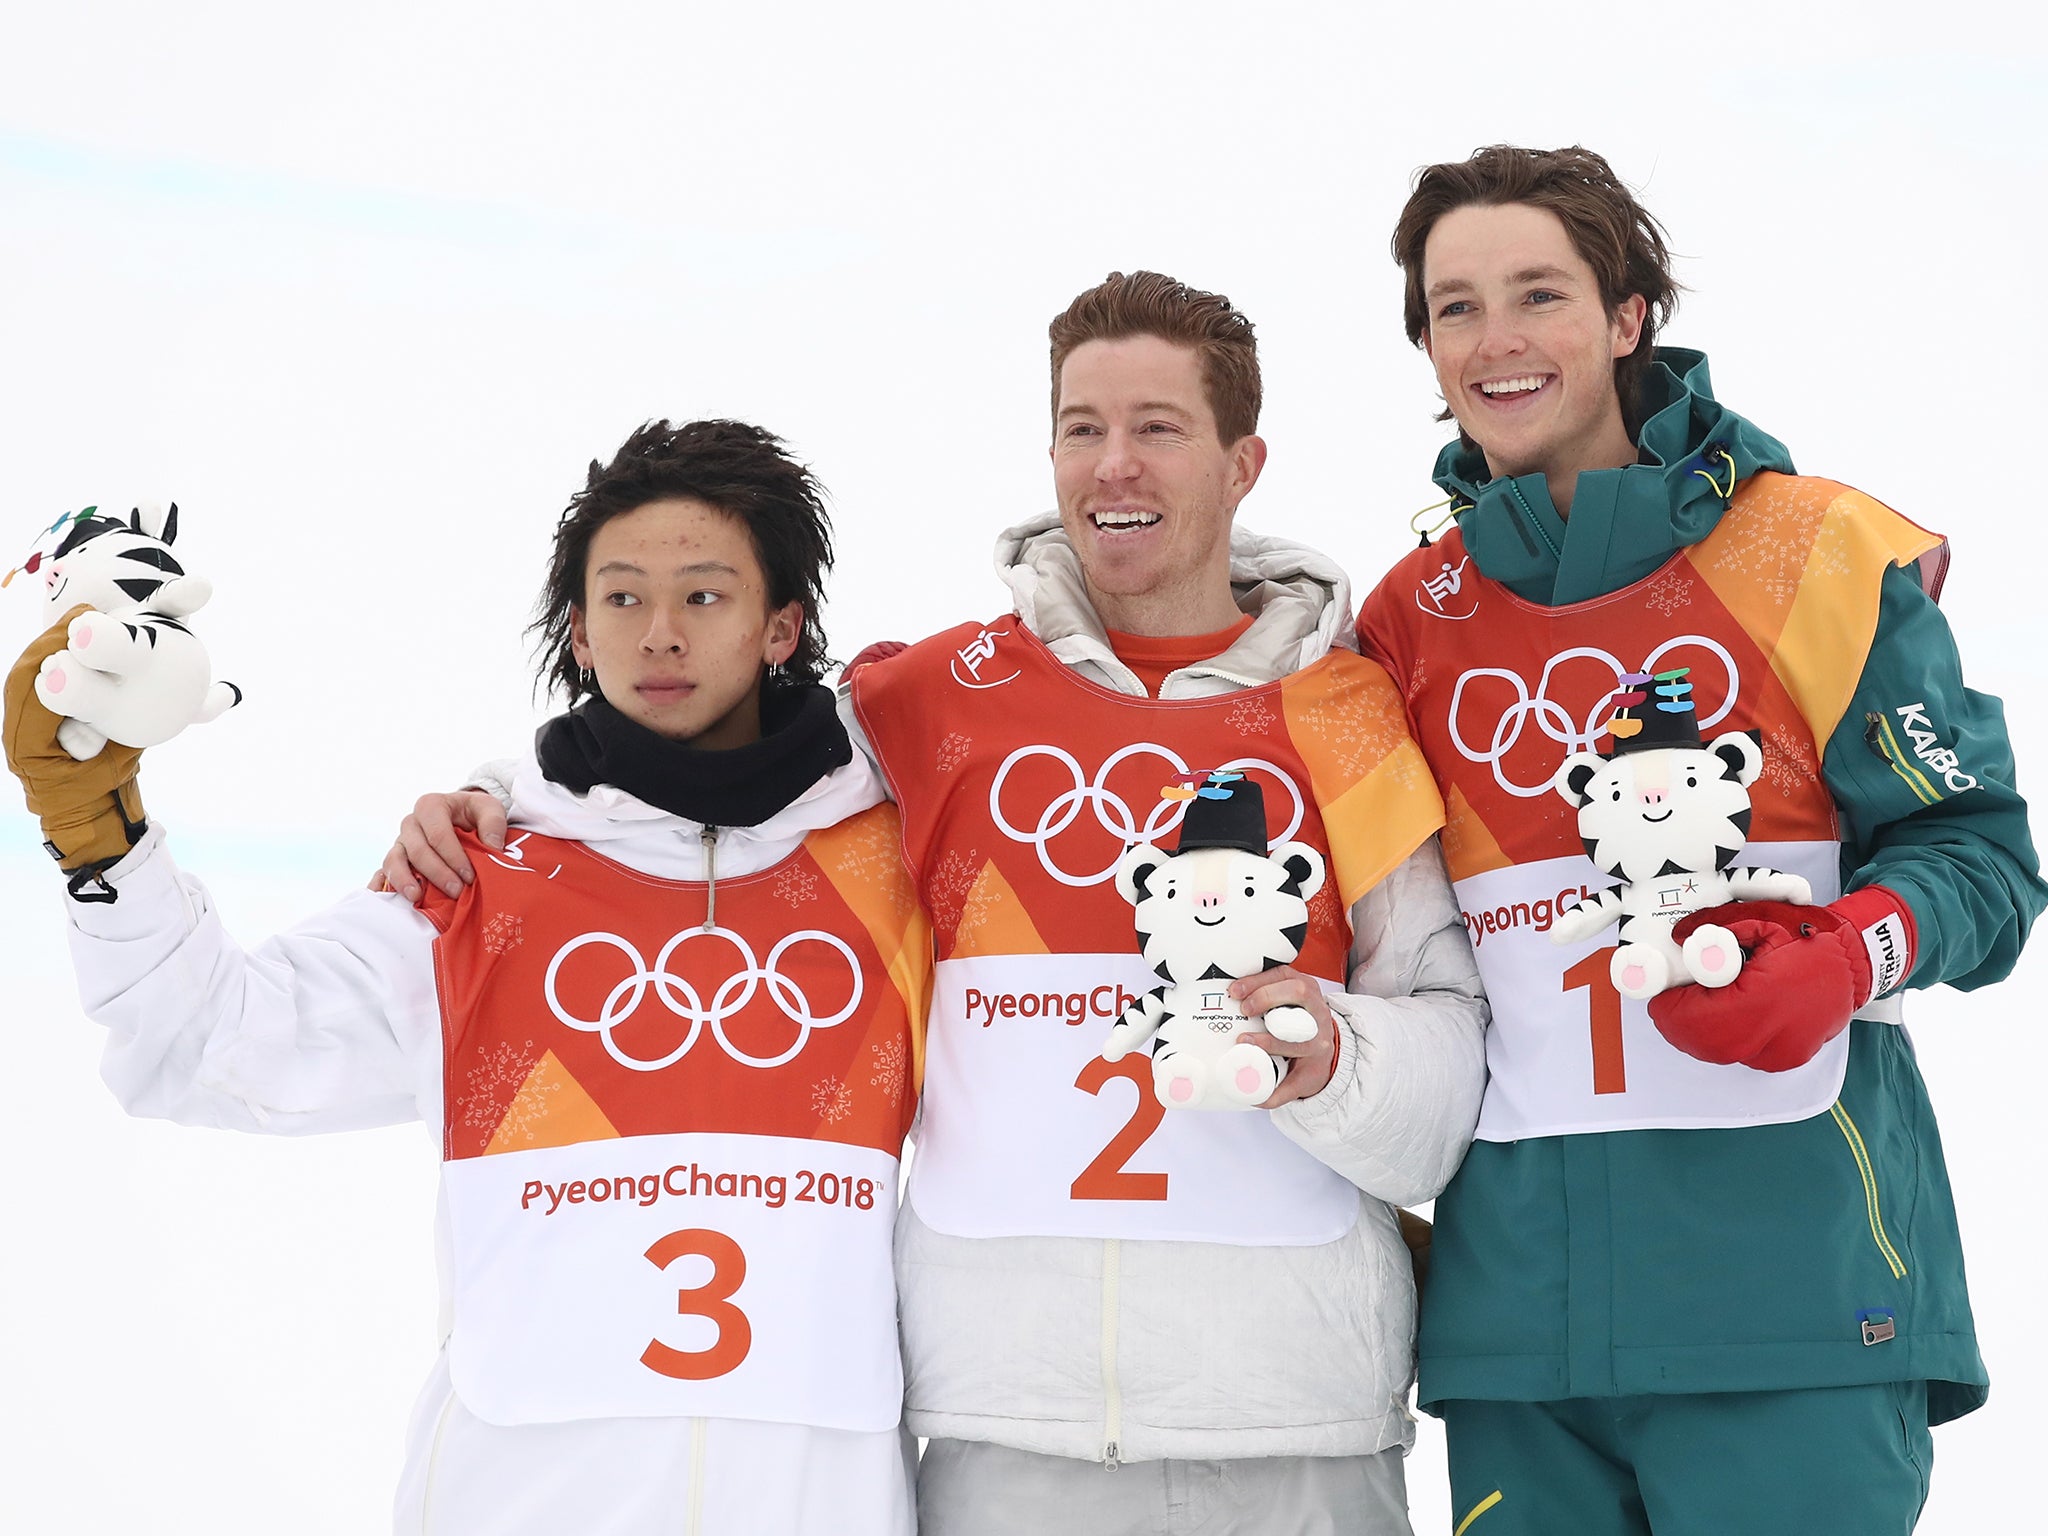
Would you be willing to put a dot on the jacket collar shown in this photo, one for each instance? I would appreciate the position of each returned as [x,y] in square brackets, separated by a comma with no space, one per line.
[1692,451]
[1299,600]
[646,837]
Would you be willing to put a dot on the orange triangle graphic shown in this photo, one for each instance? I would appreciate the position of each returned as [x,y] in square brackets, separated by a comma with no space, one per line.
[1469,848]
[551,1109]
[993,920]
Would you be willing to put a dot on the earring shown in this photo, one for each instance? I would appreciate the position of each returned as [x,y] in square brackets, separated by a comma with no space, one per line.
[586,679]
[775,672]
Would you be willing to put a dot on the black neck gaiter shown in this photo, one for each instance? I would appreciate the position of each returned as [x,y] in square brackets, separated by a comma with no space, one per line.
[801,741]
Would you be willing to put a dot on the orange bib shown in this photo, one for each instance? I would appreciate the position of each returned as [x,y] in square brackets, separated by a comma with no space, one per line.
[1021,783]
[1773,613]
[660,1133]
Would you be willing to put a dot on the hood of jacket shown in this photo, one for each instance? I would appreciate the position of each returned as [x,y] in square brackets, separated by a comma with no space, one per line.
[1690,454]
[1299,600]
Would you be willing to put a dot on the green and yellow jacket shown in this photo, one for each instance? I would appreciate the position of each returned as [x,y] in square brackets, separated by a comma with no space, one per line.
[1816,1252]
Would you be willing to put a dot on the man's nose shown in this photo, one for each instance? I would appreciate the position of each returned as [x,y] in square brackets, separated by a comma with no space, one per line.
[1502,336]
[663,632]
[1119,460]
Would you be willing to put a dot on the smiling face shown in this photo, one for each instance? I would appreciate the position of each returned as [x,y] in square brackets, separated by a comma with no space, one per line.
[1523,345]
[677,625]
[1146,487]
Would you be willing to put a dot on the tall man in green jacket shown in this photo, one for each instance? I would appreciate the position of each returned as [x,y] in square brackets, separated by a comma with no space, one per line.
[1700,1273]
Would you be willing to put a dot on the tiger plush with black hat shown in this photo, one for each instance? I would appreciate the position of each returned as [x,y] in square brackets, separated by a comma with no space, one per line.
[1218,907]
[1666,814]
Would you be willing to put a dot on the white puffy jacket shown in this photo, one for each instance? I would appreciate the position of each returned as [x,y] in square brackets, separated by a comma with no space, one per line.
[336,1025]
[1128,1350]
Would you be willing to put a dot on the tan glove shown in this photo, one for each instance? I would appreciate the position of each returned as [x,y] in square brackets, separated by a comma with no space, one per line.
[91,811]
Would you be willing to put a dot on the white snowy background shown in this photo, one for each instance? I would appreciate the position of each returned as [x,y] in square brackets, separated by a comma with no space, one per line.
[364,289]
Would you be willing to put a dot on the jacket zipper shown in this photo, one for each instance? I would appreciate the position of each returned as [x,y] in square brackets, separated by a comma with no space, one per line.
[1113,1402]
[433,1461]
[1861,1153]
[709,838]
[697,1437]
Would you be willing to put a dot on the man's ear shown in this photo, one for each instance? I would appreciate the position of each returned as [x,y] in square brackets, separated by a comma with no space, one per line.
[1628,324]
[1247,459]
[785,628]
[579,637]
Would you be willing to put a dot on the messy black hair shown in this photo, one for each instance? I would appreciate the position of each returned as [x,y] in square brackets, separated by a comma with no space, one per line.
[743,471]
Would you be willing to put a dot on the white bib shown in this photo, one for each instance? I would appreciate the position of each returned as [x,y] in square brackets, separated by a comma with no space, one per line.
[1027,1131]
[695,1274]
[1566,1053]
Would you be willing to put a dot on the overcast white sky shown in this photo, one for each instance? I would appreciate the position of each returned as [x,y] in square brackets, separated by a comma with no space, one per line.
[365,289]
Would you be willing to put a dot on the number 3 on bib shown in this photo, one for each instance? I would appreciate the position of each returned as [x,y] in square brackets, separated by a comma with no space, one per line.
[710,1300]
[1106,1178]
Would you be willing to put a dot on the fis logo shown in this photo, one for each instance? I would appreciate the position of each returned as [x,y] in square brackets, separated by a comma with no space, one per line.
[1927,752]
[1442,596]
[976,654]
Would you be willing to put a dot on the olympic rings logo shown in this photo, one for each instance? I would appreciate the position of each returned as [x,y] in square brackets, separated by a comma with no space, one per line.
[1555,721]
[1112,812]
[685,1002]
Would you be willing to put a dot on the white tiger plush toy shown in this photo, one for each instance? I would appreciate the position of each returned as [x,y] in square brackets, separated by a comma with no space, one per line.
[1667,815]
[1216,908]
[132,671]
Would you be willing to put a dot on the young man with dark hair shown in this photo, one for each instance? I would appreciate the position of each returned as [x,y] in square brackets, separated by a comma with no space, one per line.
[667,1279]
[1700,1272]
[1116,1318]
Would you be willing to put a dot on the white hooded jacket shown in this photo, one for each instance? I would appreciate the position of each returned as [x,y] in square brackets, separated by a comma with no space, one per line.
[336,1025]
[1128,1350]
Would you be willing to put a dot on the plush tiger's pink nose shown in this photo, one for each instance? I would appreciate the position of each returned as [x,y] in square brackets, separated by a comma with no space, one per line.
[1653,796]
[1208,900]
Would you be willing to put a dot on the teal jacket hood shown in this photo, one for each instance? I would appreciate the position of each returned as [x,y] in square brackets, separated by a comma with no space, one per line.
[1691,453]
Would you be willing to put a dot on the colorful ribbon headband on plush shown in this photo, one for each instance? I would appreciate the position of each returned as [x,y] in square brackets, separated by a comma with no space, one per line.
[35,556]
[1207,783]
[1674,697]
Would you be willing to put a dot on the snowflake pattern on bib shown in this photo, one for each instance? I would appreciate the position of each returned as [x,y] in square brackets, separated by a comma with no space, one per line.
[1250,717]
[504,932]
[796,885]
[1669,593]
[890,1071]
[953,751]
[832,1100]
[504,1066]
[951,883]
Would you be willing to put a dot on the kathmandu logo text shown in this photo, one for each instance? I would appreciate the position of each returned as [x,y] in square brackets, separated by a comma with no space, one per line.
[1926,747]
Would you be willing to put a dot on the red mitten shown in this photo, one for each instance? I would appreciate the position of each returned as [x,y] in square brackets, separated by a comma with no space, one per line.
[1805,971]
[881,650]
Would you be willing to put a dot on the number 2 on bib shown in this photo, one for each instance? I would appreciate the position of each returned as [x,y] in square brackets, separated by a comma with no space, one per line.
[710,1300]
[1106,1178]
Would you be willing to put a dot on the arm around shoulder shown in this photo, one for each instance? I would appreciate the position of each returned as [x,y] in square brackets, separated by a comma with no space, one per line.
[1399,1111]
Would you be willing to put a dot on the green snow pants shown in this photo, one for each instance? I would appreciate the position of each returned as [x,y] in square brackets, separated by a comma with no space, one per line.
[1809,1463]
